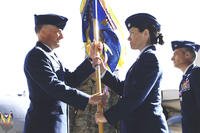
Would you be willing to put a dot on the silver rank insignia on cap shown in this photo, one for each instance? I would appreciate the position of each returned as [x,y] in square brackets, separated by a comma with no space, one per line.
[129,25]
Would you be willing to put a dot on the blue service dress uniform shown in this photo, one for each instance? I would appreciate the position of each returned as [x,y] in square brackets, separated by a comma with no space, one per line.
[49,91]
[139,107]
[189,93]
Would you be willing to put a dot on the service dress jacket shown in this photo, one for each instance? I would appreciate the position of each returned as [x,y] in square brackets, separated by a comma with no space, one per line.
[51,90]
[139,107]
[189,93]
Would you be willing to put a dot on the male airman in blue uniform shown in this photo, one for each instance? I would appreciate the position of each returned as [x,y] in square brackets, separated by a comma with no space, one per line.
[50,84]
[139,108]
[189,89]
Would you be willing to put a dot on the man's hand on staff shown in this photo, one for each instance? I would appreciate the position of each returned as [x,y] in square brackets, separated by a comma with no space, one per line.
[97,98]
[100,118]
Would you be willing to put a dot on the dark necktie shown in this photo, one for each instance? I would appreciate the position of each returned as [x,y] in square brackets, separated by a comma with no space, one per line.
[54,56]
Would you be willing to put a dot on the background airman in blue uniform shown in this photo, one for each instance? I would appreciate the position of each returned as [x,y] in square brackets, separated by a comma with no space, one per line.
[189,90]
[139,107]
[51,86]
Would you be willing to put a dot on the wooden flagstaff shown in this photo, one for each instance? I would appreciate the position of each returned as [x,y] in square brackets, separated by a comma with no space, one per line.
[98,72]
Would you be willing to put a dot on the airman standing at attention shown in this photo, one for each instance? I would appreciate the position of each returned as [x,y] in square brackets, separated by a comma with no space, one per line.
[189,89]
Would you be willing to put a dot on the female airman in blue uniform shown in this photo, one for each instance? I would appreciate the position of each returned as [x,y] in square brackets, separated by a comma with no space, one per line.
[139,108]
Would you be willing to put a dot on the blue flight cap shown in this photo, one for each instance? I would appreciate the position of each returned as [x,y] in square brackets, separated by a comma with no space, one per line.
[51,19]
[185,44]
[142,21]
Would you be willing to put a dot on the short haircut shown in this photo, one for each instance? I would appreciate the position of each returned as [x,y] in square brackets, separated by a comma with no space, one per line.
[192,52]
[38,28]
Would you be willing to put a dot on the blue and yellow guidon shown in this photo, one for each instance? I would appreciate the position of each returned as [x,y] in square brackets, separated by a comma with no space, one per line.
[108,27]
[6,120]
